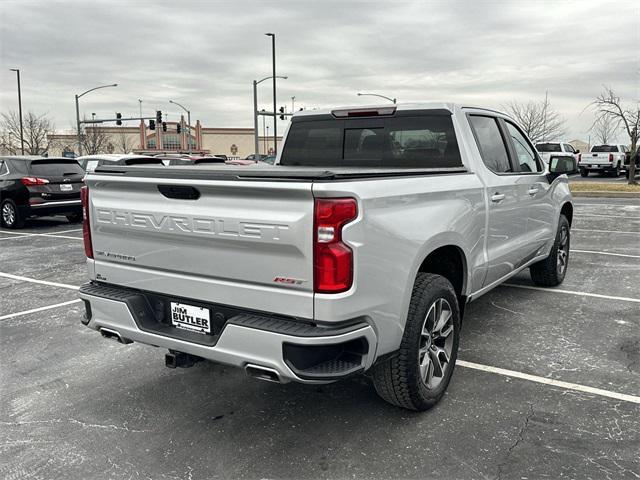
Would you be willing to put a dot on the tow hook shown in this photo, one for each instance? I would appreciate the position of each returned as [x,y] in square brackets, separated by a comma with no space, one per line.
[175,359]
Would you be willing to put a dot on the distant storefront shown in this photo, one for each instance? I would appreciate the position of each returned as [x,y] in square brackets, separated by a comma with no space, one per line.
[232,142]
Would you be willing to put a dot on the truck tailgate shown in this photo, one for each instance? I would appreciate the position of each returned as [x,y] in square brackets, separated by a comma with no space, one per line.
[243,243]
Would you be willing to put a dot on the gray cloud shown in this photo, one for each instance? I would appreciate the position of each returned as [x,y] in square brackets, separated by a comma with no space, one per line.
[205,54]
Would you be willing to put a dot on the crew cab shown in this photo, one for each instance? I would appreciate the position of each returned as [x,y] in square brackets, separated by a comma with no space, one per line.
[356,252]
[33,186]
[605,159]
[556,149]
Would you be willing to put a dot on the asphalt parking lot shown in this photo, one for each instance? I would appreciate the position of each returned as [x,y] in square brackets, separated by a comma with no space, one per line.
[548,384]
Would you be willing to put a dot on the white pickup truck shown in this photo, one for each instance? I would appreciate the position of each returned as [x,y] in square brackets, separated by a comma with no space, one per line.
[611,159]
[556,149]
[356,252]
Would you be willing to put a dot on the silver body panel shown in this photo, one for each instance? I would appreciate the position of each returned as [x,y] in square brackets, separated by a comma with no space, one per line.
[230,245]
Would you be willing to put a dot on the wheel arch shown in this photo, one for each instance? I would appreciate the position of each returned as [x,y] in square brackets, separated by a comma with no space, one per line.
[567,211]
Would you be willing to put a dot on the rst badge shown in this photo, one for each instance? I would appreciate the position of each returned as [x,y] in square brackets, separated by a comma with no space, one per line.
[190,317]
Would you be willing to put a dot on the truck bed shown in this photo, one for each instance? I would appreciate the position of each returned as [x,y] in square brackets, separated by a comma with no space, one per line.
[268,172]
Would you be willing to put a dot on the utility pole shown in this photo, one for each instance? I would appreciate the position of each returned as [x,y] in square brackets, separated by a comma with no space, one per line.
[275,121]
[293,99]
[140,104]
[17,70]
[266,148]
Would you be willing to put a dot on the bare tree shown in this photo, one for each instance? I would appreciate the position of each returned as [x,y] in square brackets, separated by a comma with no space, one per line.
[611,106]
[124,142]
[95,140]
[37,128]
[538,119]
[605,128]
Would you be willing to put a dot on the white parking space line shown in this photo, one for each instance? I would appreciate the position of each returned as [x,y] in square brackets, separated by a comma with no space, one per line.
[604,231]
[41,235]
[572,292]
[66,231]
[41,282]
[605,253]
[549,381]
[578,214]
[606,205]
[39,309]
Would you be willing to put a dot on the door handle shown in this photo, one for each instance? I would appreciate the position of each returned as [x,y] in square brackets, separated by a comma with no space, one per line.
[497,197]
[533,191]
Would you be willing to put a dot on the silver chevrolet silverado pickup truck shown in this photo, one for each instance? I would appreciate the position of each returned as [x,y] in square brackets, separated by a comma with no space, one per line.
[356,252]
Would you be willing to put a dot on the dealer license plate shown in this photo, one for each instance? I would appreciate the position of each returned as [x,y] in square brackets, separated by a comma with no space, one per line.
[190,317]
[66,187]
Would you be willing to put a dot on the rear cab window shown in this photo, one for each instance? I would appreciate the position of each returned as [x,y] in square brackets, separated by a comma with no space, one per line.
[407,141]
[604,148]
[548,147]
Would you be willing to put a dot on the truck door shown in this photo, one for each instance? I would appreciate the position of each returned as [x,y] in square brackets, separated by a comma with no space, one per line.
[533,190]
[507,216]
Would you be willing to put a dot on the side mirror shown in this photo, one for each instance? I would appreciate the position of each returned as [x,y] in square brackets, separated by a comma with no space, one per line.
[577,151]
[562,165]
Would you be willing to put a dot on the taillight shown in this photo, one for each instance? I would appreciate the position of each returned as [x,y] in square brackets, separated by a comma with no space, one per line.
[611,157]
[332,258]
[31,181]
[86,230]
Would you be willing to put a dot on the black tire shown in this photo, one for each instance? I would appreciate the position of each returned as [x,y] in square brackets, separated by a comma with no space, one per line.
[584,172]
[551,271]
[74,218]
[10,216]
[399,379]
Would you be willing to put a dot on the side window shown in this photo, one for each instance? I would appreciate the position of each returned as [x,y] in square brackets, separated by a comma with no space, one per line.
[569,148]
[490,143]
[3,168]
[525,154]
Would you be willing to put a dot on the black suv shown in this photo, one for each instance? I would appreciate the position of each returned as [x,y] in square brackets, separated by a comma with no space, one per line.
[37,186]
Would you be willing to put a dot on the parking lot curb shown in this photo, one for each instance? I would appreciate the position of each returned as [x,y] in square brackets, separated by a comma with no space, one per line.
[596,193]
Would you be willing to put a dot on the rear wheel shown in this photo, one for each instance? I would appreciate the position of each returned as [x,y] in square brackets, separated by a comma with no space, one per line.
[552,270]
[418,374]
[584,172]
[10,215]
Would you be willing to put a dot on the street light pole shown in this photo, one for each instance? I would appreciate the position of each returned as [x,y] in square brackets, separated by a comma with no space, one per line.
[140,104]
[275,117]
[17,70]
[255,113]
[376,95]
[188,123]
[78,113]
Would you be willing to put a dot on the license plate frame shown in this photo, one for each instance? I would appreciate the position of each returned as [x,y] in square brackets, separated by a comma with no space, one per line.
[190,318]
[66,187]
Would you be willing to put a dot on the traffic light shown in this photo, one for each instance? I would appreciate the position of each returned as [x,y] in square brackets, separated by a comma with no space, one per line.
[118,119]
[281,113]
[152,124]
[164,126]
[159,116]
[178,128]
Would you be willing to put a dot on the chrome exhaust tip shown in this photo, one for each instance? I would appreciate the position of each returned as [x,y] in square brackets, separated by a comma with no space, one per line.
[262,373]
[114,335]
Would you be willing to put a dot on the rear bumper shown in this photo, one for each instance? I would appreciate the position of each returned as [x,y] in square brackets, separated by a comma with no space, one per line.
[297,351]
[62,207]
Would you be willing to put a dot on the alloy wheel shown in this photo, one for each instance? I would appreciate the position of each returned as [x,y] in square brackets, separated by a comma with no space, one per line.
[563,251]
[8,214]
[436,343]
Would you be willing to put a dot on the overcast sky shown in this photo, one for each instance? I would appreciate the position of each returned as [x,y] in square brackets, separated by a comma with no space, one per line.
[205,54]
